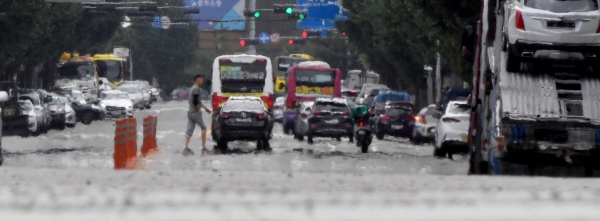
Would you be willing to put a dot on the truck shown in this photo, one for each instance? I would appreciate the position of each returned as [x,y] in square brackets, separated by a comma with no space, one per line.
[356,78]
[541,111]
[81,70]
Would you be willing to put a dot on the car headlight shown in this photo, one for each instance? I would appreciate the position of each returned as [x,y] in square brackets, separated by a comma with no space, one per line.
[129,107]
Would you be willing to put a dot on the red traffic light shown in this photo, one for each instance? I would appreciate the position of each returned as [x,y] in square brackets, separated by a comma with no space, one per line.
[304,34]
[291,41]
[343,33]
[243,43]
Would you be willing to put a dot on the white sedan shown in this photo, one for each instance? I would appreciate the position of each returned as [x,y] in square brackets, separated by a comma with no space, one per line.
[551,30]
[452,130]
[425,123]
[116,104]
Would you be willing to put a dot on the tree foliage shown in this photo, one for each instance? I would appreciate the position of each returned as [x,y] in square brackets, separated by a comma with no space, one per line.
[398,37]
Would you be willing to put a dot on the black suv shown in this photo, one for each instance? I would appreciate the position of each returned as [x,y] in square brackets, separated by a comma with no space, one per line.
[396,119]
[330,117]
[243,118]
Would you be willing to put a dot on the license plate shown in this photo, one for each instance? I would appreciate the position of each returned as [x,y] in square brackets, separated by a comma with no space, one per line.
[465,138]
[9,112]
[334,121]
[397,127]
[361,132]
[561,24]
[116,112]
[247,120]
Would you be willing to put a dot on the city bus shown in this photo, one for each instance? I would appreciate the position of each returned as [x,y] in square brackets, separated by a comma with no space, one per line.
[281,65]
[110,67]
[242,75]
[308,81]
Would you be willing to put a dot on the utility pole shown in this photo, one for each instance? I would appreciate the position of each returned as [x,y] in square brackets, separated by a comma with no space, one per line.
[252,48]
[438,79]
[429,84]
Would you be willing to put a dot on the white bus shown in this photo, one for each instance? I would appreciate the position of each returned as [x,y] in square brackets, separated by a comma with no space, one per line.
[242,75]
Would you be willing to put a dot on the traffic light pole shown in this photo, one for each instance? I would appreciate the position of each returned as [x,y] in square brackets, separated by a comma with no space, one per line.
[252,48]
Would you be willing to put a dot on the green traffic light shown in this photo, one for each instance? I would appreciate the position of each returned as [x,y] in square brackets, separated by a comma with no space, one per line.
[289,10]
[301,16]
[257,14]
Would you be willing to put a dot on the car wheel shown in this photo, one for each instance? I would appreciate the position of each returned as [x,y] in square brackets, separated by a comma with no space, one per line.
[379,135]
[62,126]
[309,139]
[87,118]
[364,147]
[148,107]
[222,145]
[71,125]
[513,63]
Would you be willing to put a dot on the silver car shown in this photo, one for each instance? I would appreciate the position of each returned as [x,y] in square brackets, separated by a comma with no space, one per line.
[301,120]
[278,109]
[140,97]
[425,122]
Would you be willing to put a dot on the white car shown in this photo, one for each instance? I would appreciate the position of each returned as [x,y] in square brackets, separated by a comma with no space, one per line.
[27,108]
[116,104]
[141,98]
[70,116]
[278,109]
[301,120]
[452,130]
[425,123]
[550,30]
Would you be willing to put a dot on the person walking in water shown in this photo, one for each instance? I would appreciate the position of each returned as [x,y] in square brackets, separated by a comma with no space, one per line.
[194,115]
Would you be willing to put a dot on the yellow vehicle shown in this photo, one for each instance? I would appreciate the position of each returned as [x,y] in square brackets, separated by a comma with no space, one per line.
[281,65]
[110,67]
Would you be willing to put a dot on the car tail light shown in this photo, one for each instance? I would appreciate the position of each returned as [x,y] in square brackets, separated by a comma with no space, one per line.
[215,101]
[519,21]
[268,100]
[346,113]
[372,110]
[421,119]
[316,112]
[226,115]
[261,60]
[303,115]
[260,116]
[385,117]
[362,123]
[449,119]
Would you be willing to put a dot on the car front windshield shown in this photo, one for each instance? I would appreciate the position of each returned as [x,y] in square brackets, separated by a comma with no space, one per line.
[330,106]
[458,109]
[130,90]
[108,96]
[563,6]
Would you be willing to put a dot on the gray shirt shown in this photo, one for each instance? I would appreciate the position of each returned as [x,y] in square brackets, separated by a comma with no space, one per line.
[194,90]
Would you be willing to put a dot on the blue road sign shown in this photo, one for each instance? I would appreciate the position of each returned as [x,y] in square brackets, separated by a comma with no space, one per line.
[219,14]
[157,22]
[324,9]
[264,38]
[316,24]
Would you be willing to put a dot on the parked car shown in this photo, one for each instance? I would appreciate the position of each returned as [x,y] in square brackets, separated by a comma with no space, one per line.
[27,108]
[116,104]
[278,109]
[70,115]
[43,114]
[383,98]
[330,117]
[550,30]
[58,112]
[395,119]
[301,121]
[452,130]
[180,93]
[243,118]
[145,85]
[140,97]
[425,123]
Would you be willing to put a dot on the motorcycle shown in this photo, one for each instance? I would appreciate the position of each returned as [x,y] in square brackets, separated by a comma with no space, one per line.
[362,129]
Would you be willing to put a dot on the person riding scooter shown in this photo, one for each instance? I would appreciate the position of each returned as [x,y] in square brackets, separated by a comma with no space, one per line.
[362,129]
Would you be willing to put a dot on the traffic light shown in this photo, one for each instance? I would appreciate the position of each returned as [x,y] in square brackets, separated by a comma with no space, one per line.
[306,34]
[297,15]
[289,10]
[245,41]
[250,13]
[296,41]
[344,33]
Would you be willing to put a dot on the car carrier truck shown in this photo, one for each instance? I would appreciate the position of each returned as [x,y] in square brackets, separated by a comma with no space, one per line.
[545,111]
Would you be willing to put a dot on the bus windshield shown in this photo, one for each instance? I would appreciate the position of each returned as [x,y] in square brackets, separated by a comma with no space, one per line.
[76,70]
[239,77]
[315,78]
[111,70]
[284,63]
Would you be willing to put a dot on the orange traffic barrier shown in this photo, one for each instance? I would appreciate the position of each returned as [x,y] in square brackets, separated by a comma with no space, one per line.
[125,156]
[149,146]
[120,157]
